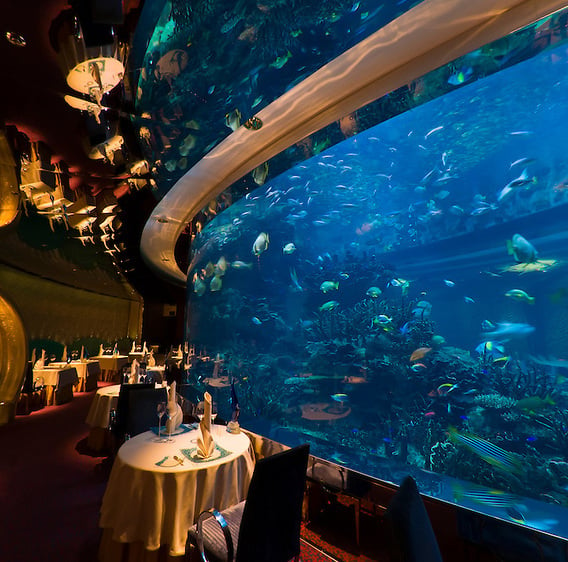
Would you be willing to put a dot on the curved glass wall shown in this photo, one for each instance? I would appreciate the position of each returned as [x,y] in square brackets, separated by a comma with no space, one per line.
[399,299]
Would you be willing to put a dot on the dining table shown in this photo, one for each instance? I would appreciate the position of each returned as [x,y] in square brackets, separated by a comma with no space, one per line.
[158,487]
[111,365]
[88,372]
[98,417]
[58,383]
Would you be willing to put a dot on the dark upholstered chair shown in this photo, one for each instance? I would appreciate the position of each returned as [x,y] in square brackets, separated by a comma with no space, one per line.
[411,533]
[266,526]
[121,415]
[142,413]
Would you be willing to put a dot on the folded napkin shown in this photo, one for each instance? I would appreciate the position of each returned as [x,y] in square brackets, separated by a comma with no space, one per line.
[205,443]
[175,415]
[82,358]
[101,350]
[133,350]
[64,355]
[134,372]
[151,360]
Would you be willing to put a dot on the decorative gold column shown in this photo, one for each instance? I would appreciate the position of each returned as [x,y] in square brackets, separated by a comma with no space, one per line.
[13,356]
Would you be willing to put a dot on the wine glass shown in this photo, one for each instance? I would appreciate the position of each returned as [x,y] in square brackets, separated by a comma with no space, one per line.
[169,417]
[161,408]
[200,410]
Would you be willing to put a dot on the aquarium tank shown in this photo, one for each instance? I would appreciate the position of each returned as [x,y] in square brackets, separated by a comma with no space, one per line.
[394,288]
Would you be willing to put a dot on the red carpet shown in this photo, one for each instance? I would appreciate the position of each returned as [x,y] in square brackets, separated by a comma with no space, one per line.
[49,492]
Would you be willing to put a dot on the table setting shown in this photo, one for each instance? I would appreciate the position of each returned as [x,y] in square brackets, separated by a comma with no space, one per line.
[164,478]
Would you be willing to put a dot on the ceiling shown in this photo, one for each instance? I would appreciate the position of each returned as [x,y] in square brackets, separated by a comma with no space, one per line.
[32,102]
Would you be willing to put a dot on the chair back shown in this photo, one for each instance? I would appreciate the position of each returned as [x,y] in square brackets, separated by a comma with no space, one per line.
[123,407]
[270,526]
[143,412]
[412,536]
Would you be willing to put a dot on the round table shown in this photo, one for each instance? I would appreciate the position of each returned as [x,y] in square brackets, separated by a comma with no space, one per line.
[105,400]
[152,499]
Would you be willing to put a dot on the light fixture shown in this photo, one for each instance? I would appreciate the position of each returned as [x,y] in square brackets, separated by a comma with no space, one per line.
[15,39]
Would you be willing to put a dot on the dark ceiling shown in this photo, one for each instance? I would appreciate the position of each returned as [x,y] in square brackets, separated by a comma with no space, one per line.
[32,101]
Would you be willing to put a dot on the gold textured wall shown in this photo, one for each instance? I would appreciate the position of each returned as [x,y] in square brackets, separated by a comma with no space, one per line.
[63,313]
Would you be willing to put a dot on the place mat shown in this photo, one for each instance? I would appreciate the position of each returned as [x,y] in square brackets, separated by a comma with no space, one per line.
[218,453]
[179,431]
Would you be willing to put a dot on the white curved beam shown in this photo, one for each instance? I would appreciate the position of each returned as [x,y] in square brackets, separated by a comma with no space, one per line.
[430,35]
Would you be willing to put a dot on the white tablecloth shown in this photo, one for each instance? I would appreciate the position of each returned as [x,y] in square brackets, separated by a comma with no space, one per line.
[58,382]
[83,368]
[57,377]
[105,399]
[112,362]
[156,505]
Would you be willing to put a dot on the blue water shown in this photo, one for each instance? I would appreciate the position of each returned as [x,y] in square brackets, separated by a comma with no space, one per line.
[406,226]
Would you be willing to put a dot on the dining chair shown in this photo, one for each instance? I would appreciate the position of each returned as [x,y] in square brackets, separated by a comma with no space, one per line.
[143,411]
[266,526]
[412,538]
[121,414]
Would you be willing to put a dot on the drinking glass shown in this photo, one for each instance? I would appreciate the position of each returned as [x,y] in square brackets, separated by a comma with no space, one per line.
[161,408]
[200,410]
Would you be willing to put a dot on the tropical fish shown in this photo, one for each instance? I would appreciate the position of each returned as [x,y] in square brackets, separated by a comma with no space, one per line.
[505,331]
[521,249]
[260,173]
[260,244]
[563,363]
[419,353]
[241,265]
[373,292]
[461,76]
[289,248]
[216,284]
[519,295]
[295,283]
[340,397]
[469,300]
[446,388]
[449,283]
[532,403]
[199,286]
[487,325]
[233,119]
[381,320]
[281,61]
[221,266]
[484,496]
[255,320]
[524,161]
[422,310]
[490,349]
[328,306]
[490,453]
[327,286]
[417,367]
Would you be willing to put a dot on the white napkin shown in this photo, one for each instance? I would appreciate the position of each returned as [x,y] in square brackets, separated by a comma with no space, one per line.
[134,372]
[64,355]
[175,415]
[101,349]
[133,347]
[205,443]
[34,356]
[82,357]
[144,349]
[151,360]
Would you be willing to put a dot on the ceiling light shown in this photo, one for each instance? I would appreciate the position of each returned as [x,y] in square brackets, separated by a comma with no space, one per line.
[16,39]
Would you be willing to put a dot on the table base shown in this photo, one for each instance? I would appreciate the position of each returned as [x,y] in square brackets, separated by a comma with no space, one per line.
[114,551]
[56,396]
